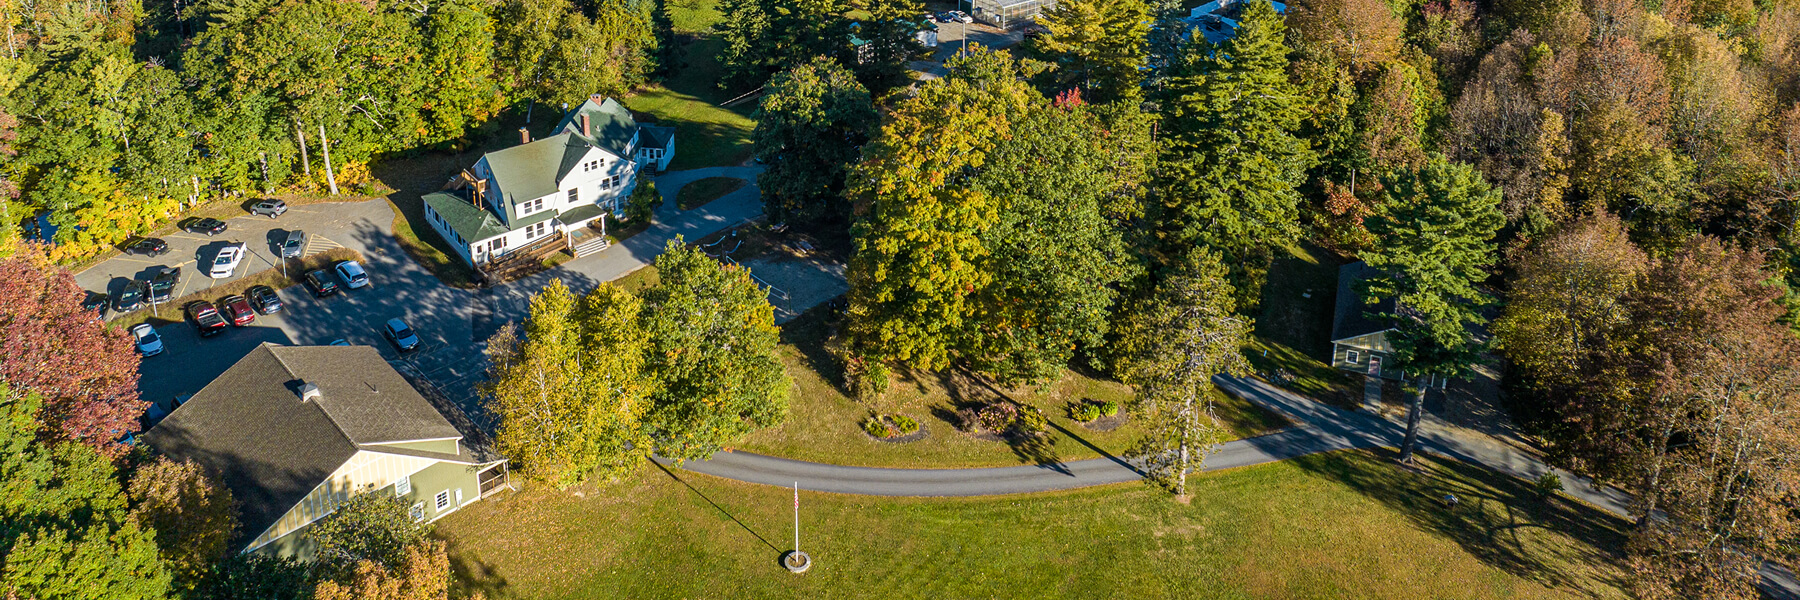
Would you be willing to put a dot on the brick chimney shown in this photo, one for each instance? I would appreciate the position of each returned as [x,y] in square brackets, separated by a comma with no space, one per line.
[524,135]
[585,130]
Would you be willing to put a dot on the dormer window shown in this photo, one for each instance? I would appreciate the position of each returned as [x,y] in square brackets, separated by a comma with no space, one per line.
[531,207]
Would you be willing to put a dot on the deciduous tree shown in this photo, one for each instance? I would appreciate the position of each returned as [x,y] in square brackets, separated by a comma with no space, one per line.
[1361,34]
[64,528]
[712,354]
[1171,346]
[191,512]
[810,127]
[49,345]
[423,574]
[370,527]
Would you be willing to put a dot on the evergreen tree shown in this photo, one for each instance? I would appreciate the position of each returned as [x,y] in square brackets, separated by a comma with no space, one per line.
[764,37]
[890,31]
[1232,159]
[1100,43]
[810,127]
[1436,242]
[1170,348]
[712,353]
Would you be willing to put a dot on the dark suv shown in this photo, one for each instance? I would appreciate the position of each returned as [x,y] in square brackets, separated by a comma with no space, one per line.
[264,299]
[129,298]
[320,283]
[162,286]
[205,318]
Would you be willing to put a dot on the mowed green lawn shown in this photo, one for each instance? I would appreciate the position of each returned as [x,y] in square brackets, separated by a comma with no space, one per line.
[1343,525]
[706,134]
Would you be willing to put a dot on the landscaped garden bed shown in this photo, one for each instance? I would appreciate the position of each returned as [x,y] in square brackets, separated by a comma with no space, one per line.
[894,428]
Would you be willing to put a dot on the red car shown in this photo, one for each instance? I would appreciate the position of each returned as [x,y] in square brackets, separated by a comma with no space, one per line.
[205,318]
[237,308]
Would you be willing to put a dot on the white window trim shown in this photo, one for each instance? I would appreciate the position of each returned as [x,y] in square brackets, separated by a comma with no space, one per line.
[418,511]
[403,485]
[442,500]
[1351,356]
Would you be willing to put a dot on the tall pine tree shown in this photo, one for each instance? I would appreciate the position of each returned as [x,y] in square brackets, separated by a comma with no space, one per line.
[1232,159]
[1100,43]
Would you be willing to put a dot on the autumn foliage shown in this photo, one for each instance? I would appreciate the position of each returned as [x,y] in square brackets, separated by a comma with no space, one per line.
[85,372]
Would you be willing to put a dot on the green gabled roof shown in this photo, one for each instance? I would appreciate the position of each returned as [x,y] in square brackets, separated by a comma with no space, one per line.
[471,222]
[651,136]
[528,170]
[581,213]
[609,121]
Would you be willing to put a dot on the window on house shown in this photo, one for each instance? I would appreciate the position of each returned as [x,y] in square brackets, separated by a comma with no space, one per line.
[531,207]
[418,511]
[402,486]
[574,195]
[443,500]
[533,231]
[497,244]
[1352,356]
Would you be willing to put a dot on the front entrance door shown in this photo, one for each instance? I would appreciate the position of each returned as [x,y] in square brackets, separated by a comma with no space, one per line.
[1374,365]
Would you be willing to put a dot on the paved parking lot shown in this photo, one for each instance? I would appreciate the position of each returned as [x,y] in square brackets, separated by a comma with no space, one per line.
[327,226]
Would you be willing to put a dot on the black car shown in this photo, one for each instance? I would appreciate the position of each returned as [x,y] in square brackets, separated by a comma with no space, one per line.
[130,298]
[208,226]
[162,286]
[264,299]
[95,302]
[206,319]
[148,247]
[320,283]
[272,207]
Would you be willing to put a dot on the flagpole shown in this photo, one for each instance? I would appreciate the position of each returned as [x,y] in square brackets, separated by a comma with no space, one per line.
[796,516]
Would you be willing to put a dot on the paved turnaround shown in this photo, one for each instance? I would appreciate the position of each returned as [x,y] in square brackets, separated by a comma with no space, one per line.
[1320,428]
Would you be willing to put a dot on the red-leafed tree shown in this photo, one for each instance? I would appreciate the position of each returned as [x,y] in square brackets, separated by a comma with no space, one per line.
[85,371]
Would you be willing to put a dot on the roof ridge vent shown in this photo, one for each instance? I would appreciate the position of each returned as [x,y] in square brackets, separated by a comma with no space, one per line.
[309,392]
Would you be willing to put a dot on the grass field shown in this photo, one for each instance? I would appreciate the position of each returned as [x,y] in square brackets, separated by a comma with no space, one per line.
[1344,525]
[822,420]
[700,193]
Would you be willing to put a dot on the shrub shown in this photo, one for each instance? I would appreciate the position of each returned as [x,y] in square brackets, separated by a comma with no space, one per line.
[906,424]
[1109,408]
[869,379]
[641,208]
[1548,484]
[878,427]
[1030,420]
[1084,411]
[997,417]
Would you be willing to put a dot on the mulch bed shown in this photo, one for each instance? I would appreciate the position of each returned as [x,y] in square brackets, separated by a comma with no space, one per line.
[922,433]
[1105,424]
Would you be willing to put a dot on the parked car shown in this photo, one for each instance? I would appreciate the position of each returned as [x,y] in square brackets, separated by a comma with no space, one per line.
[956,16]
[353,274]
[320,283]
[148,343]
[403,336]
[208,226]
[294,244]
[271,207]
[205,318]
[227,261]
[130,298]
[340,342]
[95,302]
[264,299]
[162,286]
[148,247]
[237,308]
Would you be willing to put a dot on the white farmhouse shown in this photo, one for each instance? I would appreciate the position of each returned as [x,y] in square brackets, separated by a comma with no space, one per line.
[523,195]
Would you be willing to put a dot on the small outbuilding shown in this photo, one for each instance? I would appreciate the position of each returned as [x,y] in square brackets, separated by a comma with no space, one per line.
[1359,340]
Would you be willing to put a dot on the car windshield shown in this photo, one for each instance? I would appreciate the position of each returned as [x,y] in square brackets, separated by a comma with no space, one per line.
[224,258]
[149,337]
[403,333]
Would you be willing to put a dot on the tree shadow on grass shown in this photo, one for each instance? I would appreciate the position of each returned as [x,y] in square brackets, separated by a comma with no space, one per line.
[1499,519]
[469,575]
[810,333]
[715,505]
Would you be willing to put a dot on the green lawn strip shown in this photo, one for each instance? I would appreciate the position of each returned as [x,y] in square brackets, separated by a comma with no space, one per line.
[636,281]
[706,135]
[700,193]
[822,423]
[170,312]
[1342,525]
[1293,333]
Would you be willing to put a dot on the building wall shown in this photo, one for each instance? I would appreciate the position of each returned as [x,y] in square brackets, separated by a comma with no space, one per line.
[444,446]
[365,470]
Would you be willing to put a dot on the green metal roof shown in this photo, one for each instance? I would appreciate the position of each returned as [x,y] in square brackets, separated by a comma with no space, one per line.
[533,218]
[581,213]
[471,222]
[609,121]
[655,137]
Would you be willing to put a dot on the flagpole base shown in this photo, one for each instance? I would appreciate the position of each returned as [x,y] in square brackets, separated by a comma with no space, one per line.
[796,561]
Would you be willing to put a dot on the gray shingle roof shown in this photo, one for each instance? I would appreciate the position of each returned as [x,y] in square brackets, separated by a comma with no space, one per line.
[271,448]
[1351,317]
[471,222]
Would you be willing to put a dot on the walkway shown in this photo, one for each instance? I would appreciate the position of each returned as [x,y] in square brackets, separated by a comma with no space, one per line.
[1321,428]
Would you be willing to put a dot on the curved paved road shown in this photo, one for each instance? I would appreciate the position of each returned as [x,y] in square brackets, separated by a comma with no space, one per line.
[1321,428]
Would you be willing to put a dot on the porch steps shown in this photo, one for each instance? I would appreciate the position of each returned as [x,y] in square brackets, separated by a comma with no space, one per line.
[590,245]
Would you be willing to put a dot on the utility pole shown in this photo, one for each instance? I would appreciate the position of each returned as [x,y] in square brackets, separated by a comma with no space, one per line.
[325,142]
